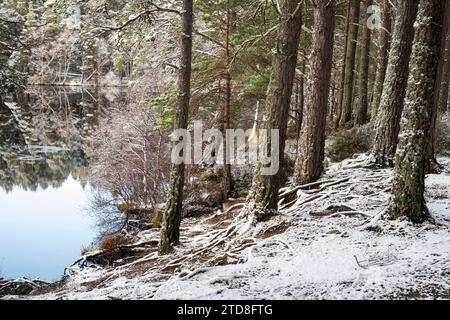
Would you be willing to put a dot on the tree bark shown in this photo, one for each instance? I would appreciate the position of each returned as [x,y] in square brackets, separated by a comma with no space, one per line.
[383,55]
[350,60]
[363,76]
[332,102]
[170,230]
[394,88]
[409,182]
[342,75]
[263,198]
[448,99]
[442,73]
[300,99]
[444,96]
[227,178]
[309,164]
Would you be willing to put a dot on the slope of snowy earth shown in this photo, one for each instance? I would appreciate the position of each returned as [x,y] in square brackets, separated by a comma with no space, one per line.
[317,248]
[332,258]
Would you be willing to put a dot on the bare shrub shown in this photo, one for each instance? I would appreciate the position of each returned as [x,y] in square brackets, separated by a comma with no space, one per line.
[112,242]
[85,250]
[132,158]
[109,219]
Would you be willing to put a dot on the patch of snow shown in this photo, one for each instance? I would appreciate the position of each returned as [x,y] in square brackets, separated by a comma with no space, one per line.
[321,255]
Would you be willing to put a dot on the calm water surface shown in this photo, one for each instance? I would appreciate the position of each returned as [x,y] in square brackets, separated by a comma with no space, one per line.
[44,193]
[43,230]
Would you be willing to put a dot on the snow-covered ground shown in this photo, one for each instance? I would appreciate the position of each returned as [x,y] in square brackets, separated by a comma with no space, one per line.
[317,248]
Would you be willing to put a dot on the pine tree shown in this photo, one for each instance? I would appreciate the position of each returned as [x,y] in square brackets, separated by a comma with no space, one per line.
[383,55]
[444,91]
[170,229]
[309,164]
[263,198]
[409,182]
[363,73]
[394,88]
[226,114]
[342,70]
[442,74]
[350,62]
[234,69]
[299,103]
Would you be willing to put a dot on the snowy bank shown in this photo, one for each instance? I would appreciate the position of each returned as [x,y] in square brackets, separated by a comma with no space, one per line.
[318,247]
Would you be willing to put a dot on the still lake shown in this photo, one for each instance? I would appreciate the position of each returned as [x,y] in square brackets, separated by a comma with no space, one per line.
[44,189]
[43,230]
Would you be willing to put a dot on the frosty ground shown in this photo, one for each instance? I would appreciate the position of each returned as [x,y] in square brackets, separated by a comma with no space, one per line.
[330,241]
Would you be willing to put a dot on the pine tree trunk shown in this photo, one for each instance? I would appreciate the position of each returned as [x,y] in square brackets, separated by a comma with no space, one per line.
[363,76]
[372,75]
[383,55]
[170,230]
[409,183]
[350,60]
[227,178]
[309,164]
[300,99]
[332,102]
[394,88]
[263,198]
[448,93]
[342,74]
[444,96]
[432,163]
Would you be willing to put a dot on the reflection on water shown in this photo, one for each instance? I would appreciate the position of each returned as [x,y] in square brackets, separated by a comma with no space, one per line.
[42,231]
[44,139]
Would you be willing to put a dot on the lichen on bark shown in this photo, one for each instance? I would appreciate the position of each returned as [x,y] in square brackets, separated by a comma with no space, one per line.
[394,88]
[409,182]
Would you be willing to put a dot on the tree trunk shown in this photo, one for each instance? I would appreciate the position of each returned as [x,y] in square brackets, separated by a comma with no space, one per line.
[227,178]
[363,77]
[263,198]
[372,75]
[394,88]
[170,230]
[432,163]
[444,96]
[342,75]
[332,100]
[409,183]
[448,99]
[300,99]
[383,55]
[350,60]
[309,164]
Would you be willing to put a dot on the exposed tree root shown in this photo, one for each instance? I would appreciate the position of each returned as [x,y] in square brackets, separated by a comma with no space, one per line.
[234,236]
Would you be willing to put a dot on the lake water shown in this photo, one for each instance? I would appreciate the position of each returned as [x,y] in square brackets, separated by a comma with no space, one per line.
[42,231]
[44,191]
